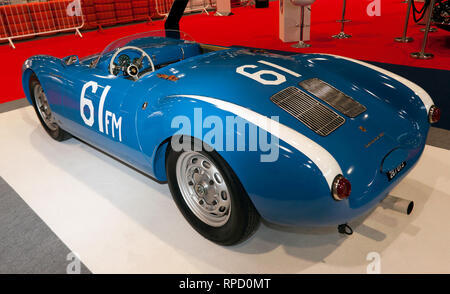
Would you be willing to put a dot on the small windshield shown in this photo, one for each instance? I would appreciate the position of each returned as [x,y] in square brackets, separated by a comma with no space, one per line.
[152,39]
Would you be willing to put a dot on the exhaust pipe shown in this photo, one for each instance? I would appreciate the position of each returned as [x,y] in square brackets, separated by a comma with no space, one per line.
[398,204]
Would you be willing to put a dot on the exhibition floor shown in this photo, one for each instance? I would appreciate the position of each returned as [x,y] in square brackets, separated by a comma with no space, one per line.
[28,244]
[120,221]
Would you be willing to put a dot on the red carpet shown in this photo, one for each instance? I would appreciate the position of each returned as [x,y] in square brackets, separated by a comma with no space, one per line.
[372,37]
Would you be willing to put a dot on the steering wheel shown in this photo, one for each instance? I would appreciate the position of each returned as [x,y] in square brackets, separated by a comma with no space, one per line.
[133,69]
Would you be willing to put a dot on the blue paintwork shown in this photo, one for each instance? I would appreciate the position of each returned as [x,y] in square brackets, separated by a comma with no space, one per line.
[291,190]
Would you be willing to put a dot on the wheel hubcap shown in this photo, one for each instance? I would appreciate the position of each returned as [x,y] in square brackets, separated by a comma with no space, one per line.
[44,108]
[203,188]
[200,190]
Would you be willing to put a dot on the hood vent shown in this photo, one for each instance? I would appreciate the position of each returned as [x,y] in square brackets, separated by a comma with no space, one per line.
[333,97]
[315,115]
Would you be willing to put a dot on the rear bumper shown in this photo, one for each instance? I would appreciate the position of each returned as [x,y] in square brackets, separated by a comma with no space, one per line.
[323,210]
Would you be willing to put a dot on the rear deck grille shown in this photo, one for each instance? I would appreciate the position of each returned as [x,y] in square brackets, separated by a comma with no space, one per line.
[308,110]
[333,97]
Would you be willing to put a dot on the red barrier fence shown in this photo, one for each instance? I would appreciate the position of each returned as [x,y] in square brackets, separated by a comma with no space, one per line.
[22,21]
[163,6]
[31,18]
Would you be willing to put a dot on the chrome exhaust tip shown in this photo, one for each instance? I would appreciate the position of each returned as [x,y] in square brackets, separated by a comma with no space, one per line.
[398,204]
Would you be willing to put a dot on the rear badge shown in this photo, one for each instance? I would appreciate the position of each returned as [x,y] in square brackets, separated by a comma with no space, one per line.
[374,140]
[167,77]
[393,173]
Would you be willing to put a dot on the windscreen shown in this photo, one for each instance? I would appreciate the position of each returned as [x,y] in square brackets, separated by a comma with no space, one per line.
[146,40]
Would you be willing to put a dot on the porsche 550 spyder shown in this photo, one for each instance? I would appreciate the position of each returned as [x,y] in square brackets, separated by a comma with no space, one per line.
[343,133]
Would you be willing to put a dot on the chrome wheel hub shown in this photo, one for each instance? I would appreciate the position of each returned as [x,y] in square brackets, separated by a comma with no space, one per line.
[44,108]
[203,188]
[200,190]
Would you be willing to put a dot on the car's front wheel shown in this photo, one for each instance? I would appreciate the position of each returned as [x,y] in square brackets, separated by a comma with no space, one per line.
[210,196]
[44,112]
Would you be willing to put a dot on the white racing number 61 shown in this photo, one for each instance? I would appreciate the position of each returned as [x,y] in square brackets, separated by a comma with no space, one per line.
[258,75]
[107,121]
[86,102]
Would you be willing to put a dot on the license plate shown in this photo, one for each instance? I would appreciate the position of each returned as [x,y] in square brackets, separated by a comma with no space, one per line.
[393,173]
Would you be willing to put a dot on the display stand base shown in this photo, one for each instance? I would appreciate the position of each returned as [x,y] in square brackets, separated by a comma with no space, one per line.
[420,55]
[431,30]
[404,40]
[342,35]
[223,13]
[301,44]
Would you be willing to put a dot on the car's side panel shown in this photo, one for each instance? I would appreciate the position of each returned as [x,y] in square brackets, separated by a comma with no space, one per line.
[92,106]
[290,190]
[49,71]
[270,200]
[390,121]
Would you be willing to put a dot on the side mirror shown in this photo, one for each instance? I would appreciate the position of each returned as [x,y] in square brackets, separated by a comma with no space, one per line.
[69,60]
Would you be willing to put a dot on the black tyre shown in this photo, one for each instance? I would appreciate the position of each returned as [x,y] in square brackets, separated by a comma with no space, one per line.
[44,112]
[210,196]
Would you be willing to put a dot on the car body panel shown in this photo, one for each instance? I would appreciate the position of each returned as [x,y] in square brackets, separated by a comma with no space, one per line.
[294,189]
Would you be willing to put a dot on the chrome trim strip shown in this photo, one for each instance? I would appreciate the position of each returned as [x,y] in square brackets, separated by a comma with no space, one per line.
[182,52]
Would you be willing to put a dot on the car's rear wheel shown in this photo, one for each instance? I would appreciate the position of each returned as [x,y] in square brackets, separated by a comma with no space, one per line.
[44,112]
[210,196]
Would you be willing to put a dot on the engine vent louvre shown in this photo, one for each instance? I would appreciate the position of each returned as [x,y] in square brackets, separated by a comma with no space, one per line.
[333,97]
[308,110]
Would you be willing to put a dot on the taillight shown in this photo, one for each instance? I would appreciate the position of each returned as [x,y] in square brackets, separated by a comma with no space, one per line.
[434,115]
[341,188]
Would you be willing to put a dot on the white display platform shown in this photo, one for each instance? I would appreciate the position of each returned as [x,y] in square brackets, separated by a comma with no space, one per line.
[120,221]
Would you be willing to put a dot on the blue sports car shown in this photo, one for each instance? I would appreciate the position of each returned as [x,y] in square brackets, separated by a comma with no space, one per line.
[239,134]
